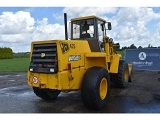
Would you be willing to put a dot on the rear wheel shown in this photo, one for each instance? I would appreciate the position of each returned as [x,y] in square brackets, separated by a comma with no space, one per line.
[121,78]
[46,94]
[95,88]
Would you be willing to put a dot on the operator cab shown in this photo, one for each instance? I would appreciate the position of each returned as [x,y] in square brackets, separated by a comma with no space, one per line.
[90,28]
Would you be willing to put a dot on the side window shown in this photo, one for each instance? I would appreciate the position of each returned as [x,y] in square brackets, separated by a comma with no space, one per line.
[91,30]
[100,32]
[87,28]
[76,30]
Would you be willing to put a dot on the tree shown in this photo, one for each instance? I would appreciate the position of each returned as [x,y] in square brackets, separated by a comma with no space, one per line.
[6,53]
[149,45]
[117,46]
[133,46]
[139,47]
[123,48]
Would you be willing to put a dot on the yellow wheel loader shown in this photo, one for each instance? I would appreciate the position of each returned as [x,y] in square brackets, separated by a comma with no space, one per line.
[87,62]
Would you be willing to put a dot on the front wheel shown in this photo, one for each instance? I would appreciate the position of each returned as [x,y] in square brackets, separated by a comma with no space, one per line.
[95,88]
[121,78]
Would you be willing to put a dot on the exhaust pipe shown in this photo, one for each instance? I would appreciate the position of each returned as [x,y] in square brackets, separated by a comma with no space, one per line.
[65,24]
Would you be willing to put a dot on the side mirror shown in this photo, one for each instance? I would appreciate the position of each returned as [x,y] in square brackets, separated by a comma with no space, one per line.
[109,26]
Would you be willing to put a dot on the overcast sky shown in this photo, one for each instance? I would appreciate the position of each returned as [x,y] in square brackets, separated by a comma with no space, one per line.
[19,26]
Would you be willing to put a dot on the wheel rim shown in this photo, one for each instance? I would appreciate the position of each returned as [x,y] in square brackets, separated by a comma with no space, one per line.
[103,88]
[126,74]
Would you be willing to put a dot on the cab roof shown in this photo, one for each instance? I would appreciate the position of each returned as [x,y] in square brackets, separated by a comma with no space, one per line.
[87,17]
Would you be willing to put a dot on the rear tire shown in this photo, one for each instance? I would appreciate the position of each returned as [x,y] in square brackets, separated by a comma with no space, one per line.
[95,88]
[131,75]
[46,94]
[121,78]
[53,94]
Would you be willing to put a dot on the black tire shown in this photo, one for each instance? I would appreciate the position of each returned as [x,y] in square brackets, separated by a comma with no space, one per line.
[121,78]
[95,88]
[46,94]
[53,93]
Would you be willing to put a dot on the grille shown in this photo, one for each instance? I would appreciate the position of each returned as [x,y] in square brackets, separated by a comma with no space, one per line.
[44,58]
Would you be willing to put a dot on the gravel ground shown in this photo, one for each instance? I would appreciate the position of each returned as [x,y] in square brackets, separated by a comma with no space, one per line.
[145,84]
[8,79]
[146,81]
[138,97]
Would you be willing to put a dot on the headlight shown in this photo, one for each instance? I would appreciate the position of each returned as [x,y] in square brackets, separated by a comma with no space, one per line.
[51,69]
[31,69]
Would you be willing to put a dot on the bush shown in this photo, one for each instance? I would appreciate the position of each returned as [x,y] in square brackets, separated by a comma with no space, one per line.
[6,53]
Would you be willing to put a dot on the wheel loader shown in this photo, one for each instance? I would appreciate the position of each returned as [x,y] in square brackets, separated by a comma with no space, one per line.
[87,62]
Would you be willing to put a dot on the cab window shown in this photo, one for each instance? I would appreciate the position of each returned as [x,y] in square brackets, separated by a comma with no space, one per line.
[83,29]
[100,31]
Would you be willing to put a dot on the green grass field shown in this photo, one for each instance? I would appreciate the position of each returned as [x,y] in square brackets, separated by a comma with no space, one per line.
[14,65]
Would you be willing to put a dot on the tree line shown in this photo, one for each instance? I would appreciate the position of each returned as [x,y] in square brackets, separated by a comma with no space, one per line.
[132,46]
[6,53]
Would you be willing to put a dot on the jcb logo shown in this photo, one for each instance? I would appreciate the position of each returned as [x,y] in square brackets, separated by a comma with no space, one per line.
[64,47]
[43,55]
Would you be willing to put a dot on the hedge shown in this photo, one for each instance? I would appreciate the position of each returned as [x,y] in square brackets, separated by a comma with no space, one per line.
[6,53]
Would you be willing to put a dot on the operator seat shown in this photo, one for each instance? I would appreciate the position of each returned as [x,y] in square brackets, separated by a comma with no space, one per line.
[85,28]
[93,42]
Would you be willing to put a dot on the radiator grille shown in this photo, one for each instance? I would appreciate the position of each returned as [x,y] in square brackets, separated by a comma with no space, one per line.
[44,58]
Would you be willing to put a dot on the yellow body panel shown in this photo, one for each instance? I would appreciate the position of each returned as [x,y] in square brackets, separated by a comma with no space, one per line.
[44,80]
[114,63]
[65,79]
[74,58]
[76,48]
[95,59]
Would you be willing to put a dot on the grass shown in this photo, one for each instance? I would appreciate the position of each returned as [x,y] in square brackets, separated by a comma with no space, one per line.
[122,53]
[14,65]
[20,55]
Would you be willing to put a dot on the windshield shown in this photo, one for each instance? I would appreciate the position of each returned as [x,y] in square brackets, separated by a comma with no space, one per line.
[83,29]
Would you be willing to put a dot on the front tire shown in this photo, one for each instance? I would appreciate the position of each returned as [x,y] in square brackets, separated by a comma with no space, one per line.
[121,78]
[95,88]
